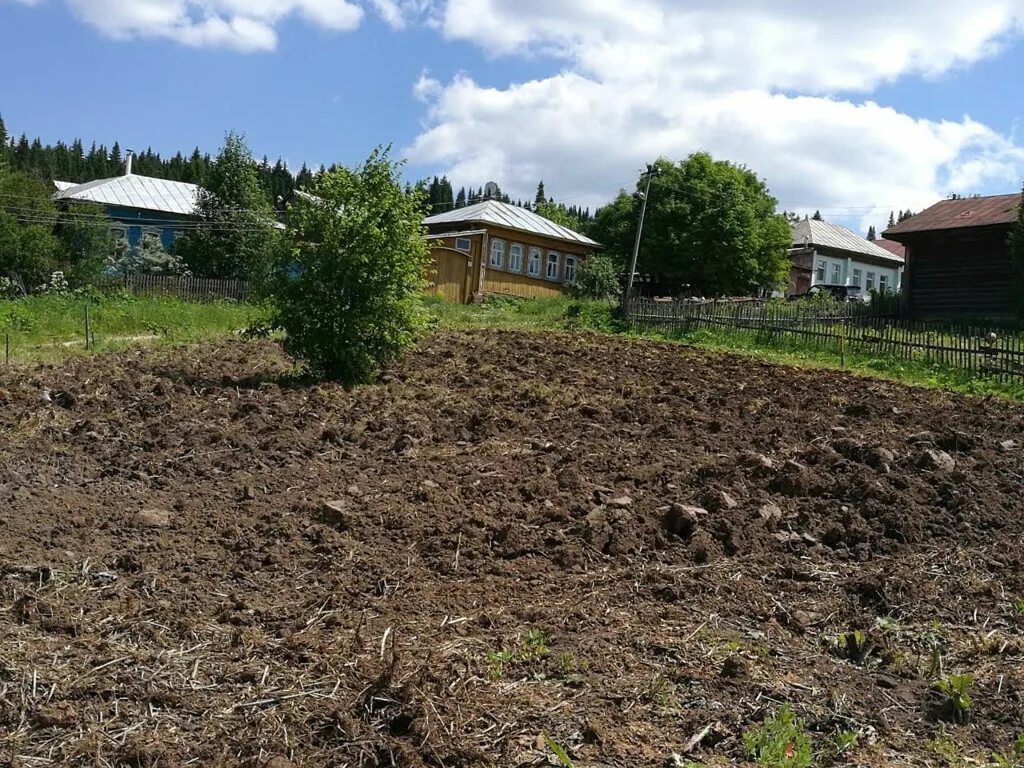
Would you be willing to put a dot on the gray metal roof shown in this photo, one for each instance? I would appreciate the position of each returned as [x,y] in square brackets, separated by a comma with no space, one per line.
[825,235]
[510,216]
[133,191]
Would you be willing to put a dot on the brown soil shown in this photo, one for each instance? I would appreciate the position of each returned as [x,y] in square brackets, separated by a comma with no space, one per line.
[511,552]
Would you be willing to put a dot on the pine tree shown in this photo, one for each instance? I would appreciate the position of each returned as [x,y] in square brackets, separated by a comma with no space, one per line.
[3,141]
[817,216]
[892,220]
[871,233]
[460,199]
[541,197]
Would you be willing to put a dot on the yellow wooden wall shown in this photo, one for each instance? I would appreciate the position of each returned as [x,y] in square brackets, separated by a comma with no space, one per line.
[503,283]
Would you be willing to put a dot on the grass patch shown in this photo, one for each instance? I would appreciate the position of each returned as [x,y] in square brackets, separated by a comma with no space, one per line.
[52,327]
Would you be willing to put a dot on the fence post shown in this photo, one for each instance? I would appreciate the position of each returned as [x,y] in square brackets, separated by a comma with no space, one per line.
[87,327]
[7,349]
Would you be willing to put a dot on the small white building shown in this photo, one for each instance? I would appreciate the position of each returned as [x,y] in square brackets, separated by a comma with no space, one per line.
[828,254]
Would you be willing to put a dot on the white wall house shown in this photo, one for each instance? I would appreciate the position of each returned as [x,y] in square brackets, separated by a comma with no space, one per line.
[841,257]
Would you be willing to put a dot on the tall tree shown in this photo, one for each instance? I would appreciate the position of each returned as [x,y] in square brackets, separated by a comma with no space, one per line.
[710,225]
[237,237]
[871,233]
[541,196]
[892,220]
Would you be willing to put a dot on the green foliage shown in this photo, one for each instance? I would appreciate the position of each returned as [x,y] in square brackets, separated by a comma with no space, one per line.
[559,214]
[347,291]
[1014,758]
[85,243]
[780,742]
[27,218]
[597,278]
[956,702]
[1018,605]
[845,741]
[559,753]
[238,238]
[1016,246]
[531,648]
[593,316]
[710,225]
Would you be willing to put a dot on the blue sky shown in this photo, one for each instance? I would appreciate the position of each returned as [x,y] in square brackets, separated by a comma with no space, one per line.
[836,116]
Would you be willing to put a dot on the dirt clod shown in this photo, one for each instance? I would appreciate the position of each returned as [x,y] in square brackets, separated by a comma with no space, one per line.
[936,461]
[153,518]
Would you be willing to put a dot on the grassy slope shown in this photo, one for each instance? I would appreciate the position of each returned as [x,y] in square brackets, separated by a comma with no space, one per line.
[46,328]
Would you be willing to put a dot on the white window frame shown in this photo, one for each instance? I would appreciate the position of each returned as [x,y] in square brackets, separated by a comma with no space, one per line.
[533,263]
[569,268]
[837,274]
[870,284]
[858,277]
[463,244]
[821,271]
[119,233]
[883,283]
[152,232]
[515,257]
[497,249]
[556,263]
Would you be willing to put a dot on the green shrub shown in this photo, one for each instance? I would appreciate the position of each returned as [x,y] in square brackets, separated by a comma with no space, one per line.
[780,742]
[597,278]
[347,291]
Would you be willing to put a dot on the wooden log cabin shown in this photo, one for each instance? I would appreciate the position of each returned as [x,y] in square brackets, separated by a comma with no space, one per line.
[493,248]
[958,257]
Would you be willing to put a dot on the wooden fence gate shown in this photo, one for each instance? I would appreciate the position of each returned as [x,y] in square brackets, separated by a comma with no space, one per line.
[450,274]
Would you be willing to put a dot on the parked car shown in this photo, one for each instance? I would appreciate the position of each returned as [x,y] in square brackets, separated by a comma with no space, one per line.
[848,293]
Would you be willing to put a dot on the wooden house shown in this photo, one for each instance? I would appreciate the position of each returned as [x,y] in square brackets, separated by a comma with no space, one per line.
[493,248]
[958,257]
[137,207]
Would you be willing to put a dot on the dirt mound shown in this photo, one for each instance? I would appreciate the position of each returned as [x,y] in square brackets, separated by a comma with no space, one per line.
[609,543]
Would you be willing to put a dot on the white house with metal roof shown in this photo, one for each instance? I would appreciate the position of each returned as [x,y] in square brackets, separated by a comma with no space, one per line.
[828,254]
[138,207]
[493,248]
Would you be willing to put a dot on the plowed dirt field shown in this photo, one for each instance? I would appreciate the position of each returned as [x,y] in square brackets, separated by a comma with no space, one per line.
[633,549]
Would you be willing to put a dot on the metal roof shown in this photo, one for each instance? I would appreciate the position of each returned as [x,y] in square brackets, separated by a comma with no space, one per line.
[961,213]
[133,191]
[897,249]
[511,217]
[825,235]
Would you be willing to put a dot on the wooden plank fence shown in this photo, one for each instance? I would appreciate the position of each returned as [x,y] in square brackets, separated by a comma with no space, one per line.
[201,289]
[978,350]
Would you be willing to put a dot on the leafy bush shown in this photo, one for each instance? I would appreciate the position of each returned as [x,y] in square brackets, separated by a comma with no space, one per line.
[346,292]
[780,742]
[147,258]
[597,278]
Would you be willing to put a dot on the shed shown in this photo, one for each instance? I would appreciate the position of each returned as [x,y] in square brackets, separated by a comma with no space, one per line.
[958,258]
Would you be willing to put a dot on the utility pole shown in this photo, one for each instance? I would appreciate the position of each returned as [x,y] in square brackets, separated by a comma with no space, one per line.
[650,173]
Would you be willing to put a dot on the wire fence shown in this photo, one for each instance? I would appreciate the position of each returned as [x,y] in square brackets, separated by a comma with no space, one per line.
[200,289]
[979,350]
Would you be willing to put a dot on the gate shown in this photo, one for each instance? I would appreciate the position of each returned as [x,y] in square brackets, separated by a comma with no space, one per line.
[449,274]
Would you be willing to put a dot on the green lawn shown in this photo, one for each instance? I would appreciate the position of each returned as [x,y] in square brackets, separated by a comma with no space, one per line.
[46,328]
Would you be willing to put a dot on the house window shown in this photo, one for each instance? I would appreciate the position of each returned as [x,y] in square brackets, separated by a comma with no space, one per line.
[120,234]
[837,274]
[819,275]
[858,275]
[870,285]
[497,254]
[462,244]
[553,263]
[570,269]
[515,258]
[533,266]
[883,283]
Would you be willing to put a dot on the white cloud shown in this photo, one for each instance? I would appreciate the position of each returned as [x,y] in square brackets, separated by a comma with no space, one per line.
[242,25]
[751,82]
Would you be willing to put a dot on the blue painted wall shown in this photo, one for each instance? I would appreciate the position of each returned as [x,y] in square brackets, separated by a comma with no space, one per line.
[136,221]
